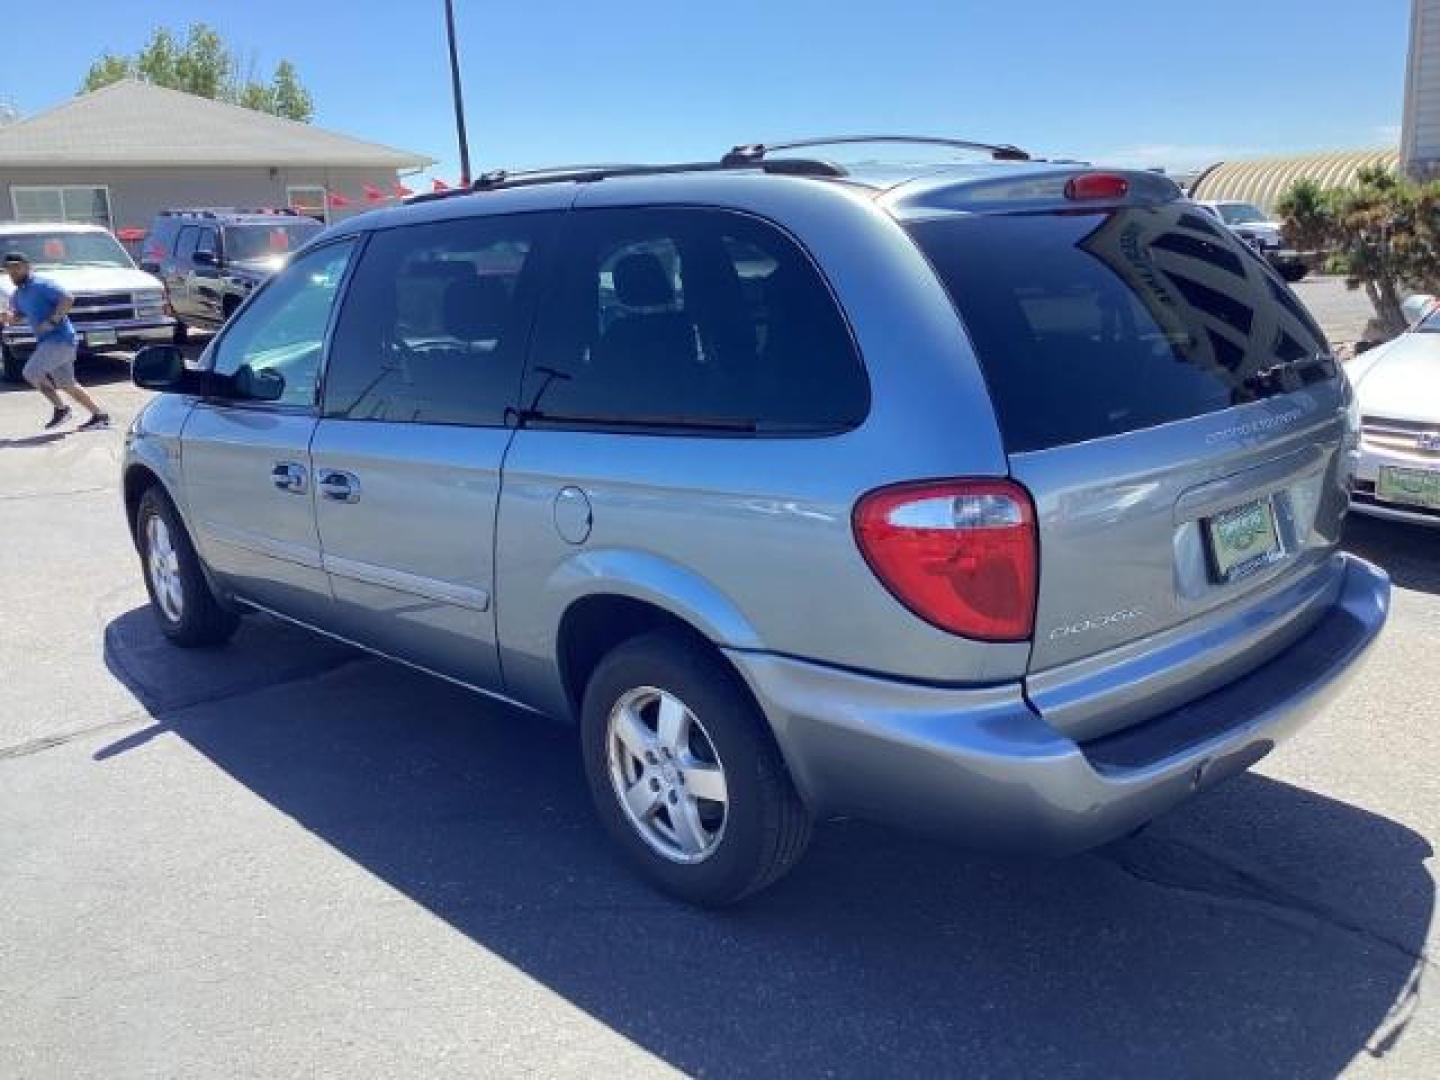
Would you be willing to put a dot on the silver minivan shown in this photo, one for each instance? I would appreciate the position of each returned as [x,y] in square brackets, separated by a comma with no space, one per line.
[997,499]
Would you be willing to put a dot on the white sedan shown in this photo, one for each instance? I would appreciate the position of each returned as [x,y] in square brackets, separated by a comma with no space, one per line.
[1398,387]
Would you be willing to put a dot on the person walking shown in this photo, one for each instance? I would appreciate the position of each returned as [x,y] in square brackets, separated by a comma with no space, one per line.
[51,367]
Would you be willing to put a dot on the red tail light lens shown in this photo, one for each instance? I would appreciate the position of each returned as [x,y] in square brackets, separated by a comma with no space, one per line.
[960,554]
[1097,186]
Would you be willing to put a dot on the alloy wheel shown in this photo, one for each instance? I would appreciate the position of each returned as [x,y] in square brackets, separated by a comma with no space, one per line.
[163,563]
[667,775]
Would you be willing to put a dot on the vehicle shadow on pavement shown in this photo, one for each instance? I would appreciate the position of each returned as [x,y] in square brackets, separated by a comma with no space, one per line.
[31,441]
[1263,930]
[1407,552]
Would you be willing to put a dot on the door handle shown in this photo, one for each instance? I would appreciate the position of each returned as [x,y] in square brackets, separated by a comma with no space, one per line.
[340,486]
[289,476]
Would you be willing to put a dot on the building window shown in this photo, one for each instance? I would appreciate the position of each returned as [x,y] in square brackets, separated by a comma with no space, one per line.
[85,205]
[309,201]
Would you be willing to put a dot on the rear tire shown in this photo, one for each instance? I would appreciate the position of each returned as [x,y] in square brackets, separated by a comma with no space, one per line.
[1294,272]
[750,826]
[13,365]
[188,612]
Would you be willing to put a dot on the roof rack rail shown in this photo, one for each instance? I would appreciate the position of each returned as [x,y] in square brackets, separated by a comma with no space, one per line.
[500,179]
[212,212]
[748,153]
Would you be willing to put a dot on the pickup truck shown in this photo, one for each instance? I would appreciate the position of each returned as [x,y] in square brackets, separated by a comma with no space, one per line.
[1250,224]
[117,306]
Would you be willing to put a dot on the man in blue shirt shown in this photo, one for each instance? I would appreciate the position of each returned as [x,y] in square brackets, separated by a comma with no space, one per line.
[51,367]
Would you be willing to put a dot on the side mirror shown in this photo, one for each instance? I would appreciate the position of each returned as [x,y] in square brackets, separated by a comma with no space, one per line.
[266,384]
[205,258]
[158,367]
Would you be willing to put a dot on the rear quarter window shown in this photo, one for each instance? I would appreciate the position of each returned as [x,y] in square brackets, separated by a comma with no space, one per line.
[1095,324]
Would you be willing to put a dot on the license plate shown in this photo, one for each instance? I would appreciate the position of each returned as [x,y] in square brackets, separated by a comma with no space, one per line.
[100,337]
[1243,539]
[1413,487]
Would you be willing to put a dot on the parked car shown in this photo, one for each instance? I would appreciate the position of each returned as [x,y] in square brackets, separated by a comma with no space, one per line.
[211,259]
[1000,501]
[1416,306]
[1261,232]
[1397,385]
[116,305]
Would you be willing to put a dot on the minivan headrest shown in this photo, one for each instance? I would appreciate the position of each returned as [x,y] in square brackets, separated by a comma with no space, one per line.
[475,308]
[641,282]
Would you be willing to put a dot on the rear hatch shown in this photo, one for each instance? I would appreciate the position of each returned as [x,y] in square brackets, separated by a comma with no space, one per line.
[1178,419]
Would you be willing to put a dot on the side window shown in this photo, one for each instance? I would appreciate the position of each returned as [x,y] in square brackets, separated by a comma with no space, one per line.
[282,330]
[435,323]
[701,319]
[207,240]
[186,241]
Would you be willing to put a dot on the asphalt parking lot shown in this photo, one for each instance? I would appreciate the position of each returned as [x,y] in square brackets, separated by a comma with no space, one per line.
[286,859]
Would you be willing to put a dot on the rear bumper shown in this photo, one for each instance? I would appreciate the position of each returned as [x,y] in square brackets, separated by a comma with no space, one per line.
[980,766]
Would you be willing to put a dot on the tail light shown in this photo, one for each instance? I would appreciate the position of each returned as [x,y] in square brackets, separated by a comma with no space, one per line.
[960,554]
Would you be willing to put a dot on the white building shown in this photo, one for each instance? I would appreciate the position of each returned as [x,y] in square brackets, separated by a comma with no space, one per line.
[1420,137]
[119,155]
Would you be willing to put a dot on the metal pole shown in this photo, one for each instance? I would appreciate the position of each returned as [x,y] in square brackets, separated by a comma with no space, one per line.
[459,99]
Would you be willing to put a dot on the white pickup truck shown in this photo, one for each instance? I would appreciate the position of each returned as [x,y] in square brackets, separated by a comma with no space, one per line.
[1250,224]
[116,305]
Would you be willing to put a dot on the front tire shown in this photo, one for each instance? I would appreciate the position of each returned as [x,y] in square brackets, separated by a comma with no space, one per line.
[685,775]
[188,611]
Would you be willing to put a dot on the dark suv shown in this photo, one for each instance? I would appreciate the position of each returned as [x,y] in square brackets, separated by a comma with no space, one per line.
[211,259]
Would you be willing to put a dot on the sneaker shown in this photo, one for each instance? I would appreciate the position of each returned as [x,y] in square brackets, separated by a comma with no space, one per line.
[99,420]
[60,416]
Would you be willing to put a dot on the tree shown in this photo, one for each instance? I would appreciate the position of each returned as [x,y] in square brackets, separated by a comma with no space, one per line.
[159,61]
[203,64]
[257,96]
[106,70]
[1305,210]
[1383,235]
[288,96]
[205,67]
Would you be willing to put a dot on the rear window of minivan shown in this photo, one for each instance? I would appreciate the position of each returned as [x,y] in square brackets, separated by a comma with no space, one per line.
[1091,324]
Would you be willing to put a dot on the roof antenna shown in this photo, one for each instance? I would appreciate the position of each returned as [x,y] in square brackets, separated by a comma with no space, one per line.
[459,98]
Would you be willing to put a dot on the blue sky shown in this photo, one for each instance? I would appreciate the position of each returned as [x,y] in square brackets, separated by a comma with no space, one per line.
[1131,81]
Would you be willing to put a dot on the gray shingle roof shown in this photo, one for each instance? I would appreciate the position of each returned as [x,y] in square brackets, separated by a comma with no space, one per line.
[134,123]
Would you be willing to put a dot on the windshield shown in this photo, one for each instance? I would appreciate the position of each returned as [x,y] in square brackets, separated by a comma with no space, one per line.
[1430,324]
[1241,214]
[1091,325]
[245,243]
[68,249]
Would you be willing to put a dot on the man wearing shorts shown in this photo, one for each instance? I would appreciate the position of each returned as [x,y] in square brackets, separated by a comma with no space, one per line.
[51,367]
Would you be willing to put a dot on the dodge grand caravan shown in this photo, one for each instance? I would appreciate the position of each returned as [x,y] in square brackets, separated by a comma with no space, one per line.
[999,500]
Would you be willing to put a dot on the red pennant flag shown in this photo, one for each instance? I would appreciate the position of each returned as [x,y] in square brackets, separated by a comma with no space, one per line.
[439,185]
[400,190]
[374,194]
[337,200]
